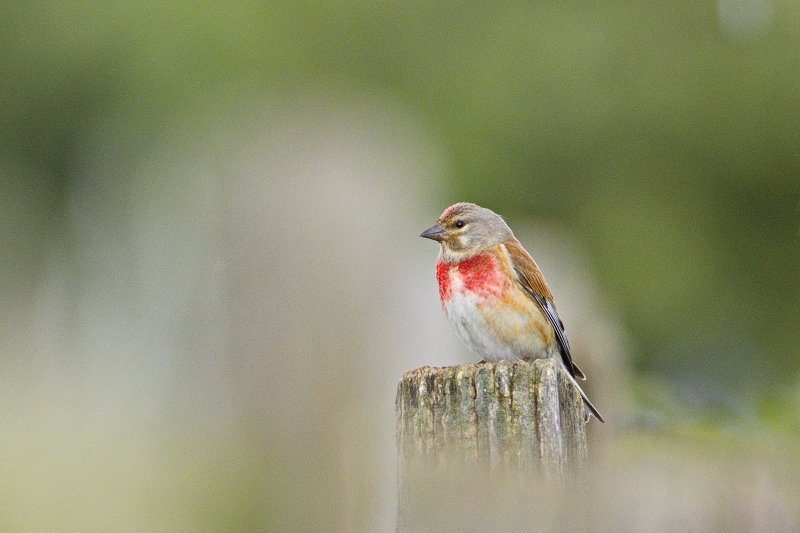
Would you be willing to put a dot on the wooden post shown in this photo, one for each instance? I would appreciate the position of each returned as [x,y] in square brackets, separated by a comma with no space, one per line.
[506,420]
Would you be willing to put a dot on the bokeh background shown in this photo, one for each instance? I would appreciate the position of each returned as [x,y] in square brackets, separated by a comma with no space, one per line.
[211,278]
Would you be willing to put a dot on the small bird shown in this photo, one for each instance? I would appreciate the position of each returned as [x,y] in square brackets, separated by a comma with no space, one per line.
[493,293]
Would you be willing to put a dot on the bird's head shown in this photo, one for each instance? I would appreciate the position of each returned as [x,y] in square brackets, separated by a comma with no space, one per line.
[465,230]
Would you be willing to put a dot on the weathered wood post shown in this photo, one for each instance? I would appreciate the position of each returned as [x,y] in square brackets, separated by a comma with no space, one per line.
[521,420]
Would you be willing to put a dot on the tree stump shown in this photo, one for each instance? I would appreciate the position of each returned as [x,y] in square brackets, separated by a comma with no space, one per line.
[509,420]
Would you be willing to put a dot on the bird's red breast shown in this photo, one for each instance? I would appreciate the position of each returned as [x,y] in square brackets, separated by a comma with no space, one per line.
[481,274]
[489,308]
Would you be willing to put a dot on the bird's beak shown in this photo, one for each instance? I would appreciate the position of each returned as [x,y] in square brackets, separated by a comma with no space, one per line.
[435,232]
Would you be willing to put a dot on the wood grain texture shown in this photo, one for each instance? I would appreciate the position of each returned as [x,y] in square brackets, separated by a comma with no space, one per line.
[506,420]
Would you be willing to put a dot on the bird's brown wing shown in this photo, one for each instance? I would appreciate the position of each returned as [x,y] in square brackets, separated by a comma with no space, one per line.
[533,282]
[527,269]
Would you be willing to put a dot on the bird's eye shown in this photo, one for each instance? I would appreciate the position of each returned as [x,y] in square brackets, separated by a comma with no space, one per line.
[460,224]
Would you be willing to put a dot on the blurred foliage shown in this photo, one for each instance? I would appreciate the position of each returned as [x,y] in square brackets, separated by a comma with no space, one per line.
[664,134]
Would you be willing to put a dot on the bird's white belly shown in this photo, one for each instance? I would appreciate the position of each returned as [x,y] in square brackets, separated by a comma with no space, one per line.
[495,332]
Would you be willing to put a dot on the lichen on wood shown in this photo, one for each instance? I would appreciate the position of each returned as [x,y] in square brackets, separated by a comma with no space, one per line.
[471,436]
[519,415]
[514,419]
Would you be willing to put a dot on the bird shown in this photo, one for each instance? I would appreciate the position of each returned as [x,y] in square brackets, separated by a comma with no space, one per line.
[494,295]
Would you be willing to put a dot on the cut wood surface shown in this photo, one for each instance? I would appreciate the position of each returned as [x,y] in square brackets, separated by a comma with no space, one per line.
[515,419]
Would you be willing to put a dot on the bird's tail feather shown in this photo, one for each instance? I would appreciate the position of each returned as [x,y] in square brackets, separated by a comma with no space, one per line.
[586,403]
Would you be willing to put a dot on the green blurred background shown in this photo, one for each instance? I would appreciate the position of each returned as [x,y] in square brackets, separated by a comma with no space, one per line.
[178,179]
